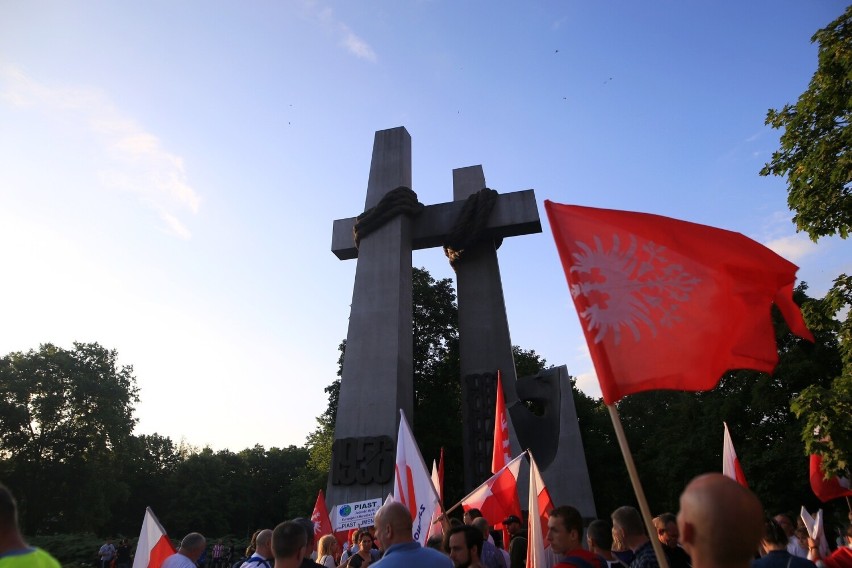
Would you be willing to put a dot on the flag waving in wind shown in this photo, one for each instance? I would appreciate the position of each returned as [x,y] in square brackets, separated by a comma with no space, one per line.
[501,454]
[153,546]
[497,497]
[827,489]
[540,505]
[646,286]
[412,483]
[730,463]
[320,518]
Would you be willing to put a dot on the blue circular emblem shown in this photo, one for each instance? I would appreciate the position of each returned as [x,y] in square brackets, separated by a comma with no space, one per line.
[345,510]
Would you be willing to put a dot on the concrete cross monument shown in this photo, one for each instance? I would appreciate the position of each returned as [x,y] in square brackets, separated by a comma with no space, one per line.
[552,435]
[377,377]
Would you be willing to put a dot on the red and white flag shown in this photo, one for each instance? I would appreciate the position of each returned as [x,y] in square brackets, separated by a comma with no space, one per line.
[320,518]
[438,482]
[540,505]
[827,489]
[497,497]
[647,286]
[413,484]
[502,453]
[730,462]
[153,546]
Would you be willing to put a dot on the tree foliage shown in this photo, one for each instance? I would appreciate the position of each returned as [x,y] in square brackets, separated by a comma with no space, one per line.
[815,158]
[64,415]
[815,146]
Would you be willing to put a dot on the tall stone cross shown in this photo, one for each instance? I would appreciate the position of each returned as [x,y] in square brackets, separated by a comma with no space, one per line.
[377,378]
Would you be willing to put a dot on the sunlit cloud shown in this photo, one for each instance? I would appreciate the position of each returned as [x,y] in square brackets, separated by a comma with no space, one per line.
[356,45]
[137,162]
[353,43]
[792,247]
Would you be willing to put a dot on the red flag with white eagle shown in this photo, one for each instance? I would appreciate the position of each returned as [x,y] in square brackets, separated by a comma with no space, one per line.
[321,518]
[497,497]
[154,545]
[730,463]
[647,286]
[412,483]
[501,454]
[827,489]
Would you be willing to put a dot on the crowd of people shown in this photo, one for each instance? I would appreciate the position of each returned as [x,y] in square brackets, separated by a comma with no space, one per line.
[720,524]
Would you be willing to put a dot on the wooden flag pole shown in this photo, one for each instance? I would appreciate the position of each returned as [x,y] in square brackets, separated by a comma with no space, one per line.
[637,487]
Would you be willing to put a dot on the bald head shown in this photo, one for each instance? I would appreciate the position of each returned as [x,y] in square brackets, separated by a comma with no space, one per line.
[263,544]
[720,522]
[393,524]
[481,523]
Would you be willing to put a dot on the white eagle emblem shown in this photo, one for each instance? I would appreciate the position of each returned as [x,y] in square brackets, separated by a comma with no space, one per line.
[628,288]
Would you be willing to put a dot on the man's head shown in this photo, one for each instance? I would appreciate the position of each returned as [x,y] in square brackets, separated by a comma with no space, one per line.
[464,545]
[666,526]
[599,536]
[564,529]
[481,524]
[720,521]
[627,527]
[774,536]
[512,524]
[470,515]
[192,546]
[289,541]
[786,523]
[263,544]
[307,526]
[393,525]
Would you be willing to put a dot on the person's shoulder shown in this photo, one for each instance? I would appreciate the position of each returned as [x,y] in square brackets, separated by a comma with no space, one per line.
[439,557]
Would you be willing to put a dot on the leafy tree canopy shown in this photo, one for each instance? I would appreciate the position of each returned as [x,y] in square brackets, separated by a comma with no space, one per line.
[815,146]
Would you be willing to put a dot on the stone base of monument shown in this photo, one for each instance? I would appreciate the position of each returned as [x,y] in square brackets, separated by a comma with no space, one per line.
[545,422]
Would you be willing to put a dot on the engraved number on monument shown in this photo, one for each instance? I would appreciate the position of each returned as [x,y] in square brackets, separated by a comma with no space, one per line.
[362,460]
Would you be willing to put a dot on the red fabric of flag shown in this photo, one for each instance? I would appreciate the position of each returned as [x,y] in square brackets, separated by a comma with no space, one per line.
[497,497]
[667,304]
[153,546]
[730,462]
[827,489]
[501,453]
[320,518]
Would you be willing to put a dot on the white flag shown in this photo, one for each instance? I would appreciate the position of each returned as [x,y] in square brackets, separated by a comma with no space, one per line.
[412,483]
[154,546]
[535,541]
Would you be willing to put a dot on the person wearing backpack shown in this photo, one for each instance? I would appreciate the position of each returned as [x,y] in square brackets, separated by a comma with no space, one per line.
[565,535]
[262,553]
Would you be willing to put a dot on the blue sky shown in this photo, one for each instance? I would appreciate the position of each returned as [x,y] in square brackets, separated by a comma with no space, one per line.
[171,171]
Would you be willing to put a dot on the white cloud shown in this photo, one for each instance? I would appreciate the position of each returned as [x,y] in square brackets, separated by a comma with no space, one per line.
[353,43]
[137,163]
[356,45]
[792,247]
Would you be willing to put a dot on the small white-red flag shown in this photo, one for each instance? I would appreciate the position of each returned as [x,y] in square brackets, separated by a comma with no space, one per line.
[540,505]
[153,546]
[827,489]
[497,497]
[730,463]
[502,453]
[413,484]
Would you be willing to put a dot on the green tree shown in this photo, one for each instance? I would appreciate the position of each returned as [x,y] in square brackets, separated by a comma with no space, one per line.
[815,145]
[815,158]
[62,415]
[827,409]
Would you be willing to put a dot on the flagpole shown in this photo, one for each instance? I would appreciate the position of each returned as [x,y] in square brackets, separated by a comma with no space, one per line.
[637,487]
